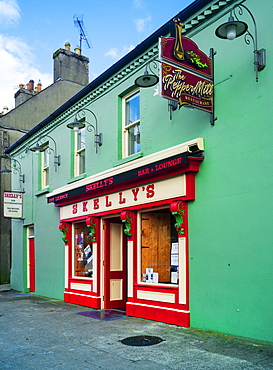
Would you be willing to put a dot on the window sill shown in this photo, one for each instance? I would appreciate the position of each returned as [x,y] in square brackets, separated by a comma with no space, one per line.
[77,178]
[43,191]
[158,285]
[129,158]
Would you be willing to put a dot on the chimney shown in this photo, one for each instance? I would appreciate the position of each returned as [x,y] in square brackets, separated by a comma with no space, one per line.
[24,93]
[71,66]
[30,85]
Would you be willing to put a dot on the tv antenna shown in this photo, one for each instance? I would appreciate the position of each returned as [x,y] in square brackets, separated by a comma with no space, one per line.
[78,22]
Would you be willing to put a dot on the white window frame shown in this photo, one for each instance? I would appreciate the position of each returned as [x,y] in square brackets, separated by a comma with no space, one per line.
[45,167]
[126,127]
[78,153]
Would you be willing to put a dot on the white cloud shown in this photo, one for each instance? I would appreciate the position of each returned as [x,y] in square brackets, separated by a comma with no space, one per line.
[17,67]
[9,12]
[126,49]
[138,4]
[142,24]
[115,53]
[112,53]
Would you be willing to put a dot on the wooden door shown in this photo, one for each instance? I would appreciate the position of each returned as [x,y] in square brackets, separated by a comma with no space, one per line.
[31,264]
[115,272]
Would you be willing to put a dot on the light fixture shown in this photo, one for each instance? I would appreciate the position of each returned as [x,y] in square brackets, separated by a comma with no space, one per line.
[235,28]
[147,79]
[8,168]
[5,170]
[78,124]
[231,29]
[37,148]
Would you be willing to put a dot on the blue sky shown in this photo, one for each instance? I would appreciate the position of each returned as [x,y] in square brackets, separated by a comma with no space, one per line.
[31,31]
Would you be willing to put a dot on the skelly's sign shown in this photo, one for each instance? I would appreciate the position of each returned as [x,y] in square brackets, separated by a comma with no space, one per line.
[186,76]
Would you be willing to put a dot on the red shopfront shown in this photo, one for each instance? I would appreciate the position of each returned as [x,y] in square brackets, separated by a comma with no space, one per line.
[126,239]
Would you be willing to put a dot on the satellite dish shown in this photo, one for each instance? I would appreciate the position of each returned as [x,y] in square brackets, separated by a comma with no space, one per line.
[78,22]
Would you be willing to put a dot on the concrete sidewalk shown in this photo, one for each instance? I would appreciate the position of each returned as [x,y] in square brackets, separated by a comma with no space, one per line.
[39,333]
[4,287]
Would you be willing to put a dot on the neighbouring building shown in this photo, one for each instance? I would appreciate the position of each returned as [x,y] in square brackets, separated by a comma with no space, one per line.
[33,104]
[152,186]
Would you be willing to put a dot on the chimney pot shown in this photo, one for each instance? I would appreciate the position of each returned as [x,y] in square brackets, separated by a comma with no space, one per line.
[30,85]
[67,46]
[77,50]
[39,86]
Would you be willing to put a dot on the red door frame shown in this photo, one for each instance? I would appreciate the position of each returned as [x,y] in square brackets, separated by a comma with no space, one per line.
[31,246]
[108,275]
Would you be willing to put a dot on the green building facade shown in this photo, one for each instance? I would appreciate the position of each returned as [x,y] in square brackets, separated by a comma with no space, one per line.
[219,226]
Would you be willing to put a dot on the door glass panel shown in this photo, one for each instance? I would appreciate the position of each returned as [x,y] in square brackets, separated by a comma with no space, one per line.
[83,251]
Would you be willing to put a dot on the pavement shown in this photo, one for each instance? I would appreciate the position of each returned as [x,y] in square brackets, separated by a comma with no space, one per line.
[40,333]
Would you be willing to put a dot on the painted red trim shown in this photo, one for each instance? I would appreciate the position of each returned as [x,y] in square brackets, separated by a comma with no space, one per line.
[82,299]
[174,317]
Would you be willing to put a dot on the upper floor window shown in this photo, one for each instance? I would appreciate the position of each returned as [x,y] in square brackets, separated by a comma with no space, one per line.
[45,167]
[131,124]
[80,152]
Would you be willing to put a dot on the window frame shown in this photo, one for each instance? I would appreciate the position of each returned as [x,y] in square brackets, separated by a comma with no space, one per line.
[74,276]
[126,127]
[139,273]
[78,151]
[45,166]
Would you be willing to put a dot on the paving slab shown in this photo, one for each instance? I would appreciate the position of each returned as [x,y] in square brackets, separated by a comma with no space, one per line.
[40,333]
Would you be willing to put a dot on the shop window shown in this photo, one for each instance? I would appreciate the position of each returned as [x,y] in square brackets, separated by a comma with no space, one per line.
[45,167]
[159,248]
[82,251]
[131,124]
[80,152]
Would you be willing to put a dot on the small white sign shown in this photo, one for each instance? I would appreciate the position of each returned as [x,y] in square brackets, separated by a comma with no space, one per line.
[174,259]
[174,248]
[174,277]
[13,204]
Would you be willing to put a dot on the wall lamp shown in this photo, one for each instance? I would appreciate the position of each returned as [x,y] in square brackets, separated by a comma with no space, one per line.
[41,148]
[235,28]
[8,168]
[78,124]
[149,78]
